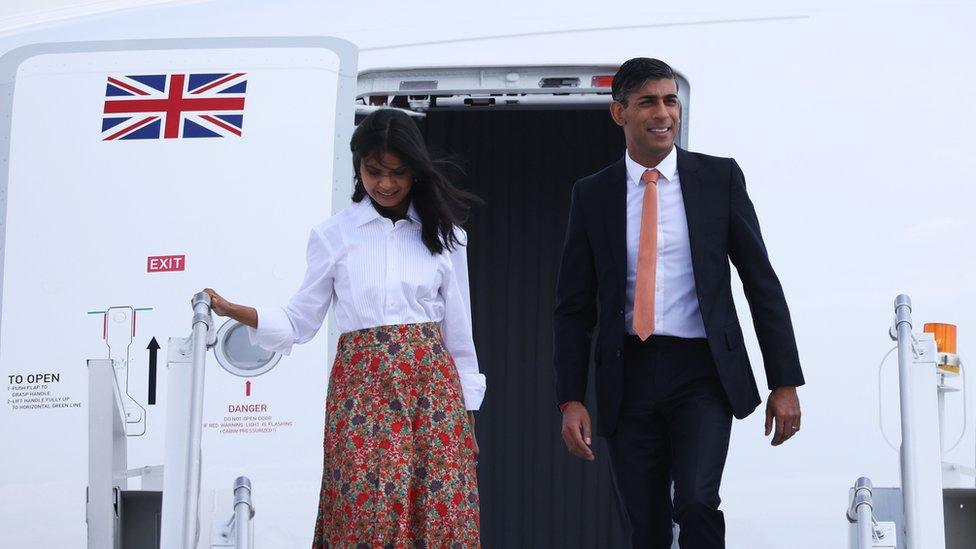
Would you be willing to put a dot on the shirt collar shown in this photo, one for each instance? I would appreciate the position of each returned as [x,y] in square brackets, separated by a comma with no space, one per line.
[412,214]
[668,167]
[364,212]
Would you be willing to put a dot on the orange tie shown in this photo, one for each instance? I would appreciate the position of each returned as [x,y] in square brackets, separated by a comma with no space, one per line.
[646,259]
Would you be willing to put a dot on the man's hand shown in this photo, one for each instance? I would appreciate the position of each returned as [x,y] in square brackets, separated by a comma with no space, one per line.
[784,406]
[576,430]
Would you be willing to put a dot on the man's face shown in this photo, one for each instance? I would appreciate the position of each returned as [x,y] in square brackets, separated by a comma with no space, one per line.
[651,118]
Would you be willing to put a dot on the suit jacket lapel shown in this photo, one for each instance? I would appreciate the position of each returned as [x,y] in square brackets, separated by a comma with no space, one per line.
[691,195]
[615,212]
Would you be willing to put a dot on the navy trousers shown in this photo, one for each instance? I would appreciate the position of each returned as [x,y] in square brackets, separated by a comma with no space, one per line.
[674,426]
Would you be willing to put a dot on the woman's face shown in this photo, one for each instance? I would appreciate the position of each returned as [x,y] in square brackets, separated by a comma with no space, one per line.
[387,181]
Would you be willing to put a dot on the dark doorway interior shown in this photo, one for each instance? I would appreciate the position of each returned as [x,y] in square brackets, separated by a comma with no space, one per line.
[523,164]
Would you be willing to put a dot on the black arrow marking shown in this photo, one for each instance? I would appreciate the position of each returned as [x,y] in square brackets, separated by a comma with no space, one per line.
[153,347]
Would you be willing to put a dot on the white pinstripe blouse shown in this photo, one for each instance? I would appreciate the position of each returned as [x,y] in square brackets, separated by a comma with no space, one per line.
[378,273]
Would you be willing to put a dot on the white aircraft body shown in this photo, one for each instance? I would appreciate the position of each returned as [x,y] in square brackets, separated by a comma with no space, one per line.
[851,120]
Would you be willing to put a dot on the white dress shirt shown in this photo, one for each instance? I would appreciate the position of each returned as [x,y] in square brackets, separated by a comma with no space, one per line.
[675,301]
[378,273]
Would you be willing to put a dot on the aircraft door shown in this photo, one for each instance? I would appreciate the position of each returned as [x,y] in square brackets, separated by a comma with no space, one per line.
[133,174]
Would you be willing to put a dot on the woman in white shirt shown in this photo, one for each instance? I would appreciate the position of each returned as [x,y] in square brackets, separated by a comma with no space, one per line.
[400,448]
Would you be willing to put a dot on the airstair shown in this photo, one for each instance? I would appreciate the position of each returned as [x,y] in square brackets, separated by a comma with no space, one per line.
[165,511]
[935,506]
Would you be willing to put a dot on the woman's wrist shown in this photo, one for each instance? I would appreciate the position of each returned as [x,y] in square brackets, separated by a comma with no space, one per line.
[243,314]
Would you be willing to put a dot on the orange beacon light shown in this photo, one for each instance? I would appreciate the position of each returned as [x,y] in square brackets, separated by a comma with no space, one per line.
[945,341]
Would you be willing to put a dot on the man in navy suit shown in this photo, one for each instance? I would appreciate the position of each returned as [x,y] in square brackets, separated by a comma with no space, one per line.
[646,260]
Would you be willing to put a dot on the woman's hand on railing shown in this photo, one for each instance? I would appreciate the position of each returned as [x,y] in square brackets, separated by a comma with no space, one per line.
[219,305]
[241,313]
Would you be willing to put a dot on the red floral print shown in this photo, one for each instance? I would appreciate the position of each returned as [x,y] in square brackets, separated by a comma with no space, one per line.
[398,469]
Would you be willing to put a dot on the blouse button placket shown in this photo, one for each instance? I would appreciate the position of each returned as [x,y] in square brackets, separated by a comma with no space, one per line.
[391,268]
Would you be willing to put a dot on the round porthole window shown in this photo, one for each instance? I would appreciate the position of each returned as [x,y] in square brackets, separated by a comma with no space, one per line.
[236,354]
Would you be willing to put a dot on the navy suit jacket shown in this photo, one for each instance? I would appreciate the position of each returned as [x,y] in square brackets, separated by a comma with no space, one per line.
[591,288]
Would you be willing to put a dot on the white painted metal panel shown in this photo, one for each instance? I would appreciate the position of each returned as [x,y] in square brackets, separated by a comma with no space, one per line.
[85,214]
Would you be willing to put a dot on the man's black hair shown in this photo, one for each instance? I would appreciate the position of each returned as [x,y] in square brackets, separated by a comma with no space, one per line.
[635,72]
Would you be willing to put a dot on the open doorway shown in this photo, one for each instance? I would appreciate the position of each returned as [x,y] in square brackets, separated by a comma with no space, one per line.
[523,164]
[521,148]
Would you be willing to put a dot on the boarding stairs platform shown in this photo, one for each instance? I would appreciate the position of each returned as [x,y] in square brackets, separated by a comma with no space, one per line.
[935,506]
[164,512]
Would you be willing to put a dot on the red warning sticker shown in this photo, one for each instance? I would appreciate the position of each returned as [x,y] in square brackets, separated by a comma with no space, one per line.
[165,263]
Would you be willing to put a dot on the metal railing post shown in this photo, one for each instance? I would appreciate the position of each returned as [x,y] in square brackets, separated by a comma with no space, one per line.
[861,511]
[903,328]
[243,512]
[921,452]
[202,328]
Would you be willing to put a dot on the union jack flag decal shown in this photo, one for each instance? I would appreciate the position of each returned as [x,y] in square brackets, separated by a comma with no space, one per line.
[171,106]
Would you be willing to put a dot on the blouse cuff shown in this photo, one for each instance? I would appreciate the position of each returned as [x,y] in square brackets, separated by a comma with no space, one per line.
[473,388]
[274,332]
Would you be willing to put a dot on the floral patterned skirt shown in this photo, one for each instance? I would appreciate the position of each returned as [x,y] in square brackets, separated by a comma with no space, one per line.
[399,469]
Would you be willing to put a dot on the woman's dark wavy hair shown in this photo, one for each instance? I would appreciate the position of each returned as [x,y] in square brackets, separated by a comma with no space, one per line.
[440,205]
